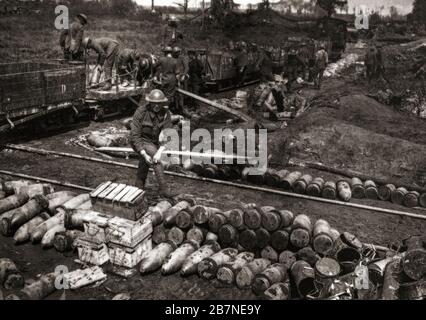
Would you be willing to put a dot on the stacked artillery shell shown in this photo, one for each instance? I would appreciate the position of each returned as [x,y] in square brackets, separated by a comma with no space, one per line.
[263,237]
[228,236]
[159,234]
[322,237]
[202,214]
[411,199]
[272,178]
[281,176]
[344,190]
[371,191]
[278,291]
[208,268]
[176,259]
[248,239]
[227,273]
[12,202]
[170,215]
[39,289]
[211,171]
[236,219]
[280,240]
[309,255]
[35,189]
[422,200]
[302,183]
[155,258]
[40,231]
[329,190]
[64,241]
[300,236]
[190,265]
[184,220]
[269,253]
[10,277]
[391,279]
[12,220]
[414,261]
[385,192]
[346,250]
[290,179]
[197,234]
[376,270]
[271,218]
[49,236]
[287,258]
[23,233]
[315,187]
[71,204]
[398,195]
[156,213]
[304,277]
[2,194]
[217,220]
[253,218]
[57,199]
[246,275]
[9,187]
[358,190]
[176,235]
[257,178]
[275,273]
[326,270]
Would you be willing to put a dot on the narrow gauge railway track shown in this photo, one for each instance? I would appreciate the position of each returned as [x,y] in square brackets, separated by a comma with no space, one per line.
[209,180]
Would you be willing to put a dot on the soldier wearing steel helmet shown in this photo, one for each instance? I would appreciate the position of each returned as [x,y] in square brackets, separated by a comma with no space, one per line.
[170,34]
[70,39]
[166,75]
[147,138]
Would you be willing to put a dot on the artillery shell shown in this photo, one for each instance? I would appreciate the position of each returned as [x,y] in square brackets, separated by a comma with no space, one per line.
[263,238]
[159,235]
[322,237]
[176,259]
[272,178]
[228,235]
[254,176]
[371,191]
[309,255]
[64,241]
[252,218]
[190,265]
[280,240]
[302,183]
[154,259]
[358,190]
[74,218]
[227,273]
[23,233]
[411,199]
[199,235]
[210,237]
[207,268]
[329,190]
[28,211]
[269,253]
[290,179]
[39,289]
[281,176]
[39,232]
[245,277]
[302,229]
[398,195]
[176,235]
[156,213]
[202,214]
[414,263]
[326,269]
[273,274]
[384,192]
[73,203]
[287,258]
[271,218]
[344,190]
[287,218]
[248,240]
[9,187]
[170,215]
[216,221]
[236,219]
[2,195]
[315,187]
[278,291]
[303,275]
[10,277]
[49,236]
[422,200]
[58,199]
[35,189]
[211,171]
[184,220]
[13,202]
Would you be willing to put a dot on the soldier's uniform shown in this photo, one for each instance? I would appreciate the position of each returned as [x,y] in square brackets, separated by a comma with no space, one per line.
[127,62]
[321,62]
[166,72]
[145,135]
[241,63]
[264,64]
[70,39]
[195,72]
[294,62]
[148,65]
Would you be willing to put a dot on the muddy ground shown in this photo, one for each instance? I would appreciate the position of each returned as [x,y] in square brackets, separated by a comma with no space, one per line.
[369,226]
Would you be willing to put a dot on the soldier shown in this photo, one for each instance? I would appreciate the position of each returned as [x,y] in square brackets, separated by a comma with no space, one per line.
[241,62]
[170,34]
[195,73]
[147,67]
[70,39]
[321,62]
[371,62]
[107,50]
[127,65]
[182,75]
[268,93]
[264,64]
[147,138]
[294,62]
[166,75]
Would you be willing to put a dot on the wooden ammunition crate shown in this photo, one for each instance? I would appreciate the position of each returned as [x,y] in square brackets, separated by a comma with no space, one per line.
[129,257]
[120,200]
[95,228]
[92,253]
[128,233]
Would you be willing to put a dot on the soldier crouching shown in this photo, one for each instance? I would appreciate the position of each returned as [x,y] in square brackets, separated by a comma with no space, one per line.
[147,140]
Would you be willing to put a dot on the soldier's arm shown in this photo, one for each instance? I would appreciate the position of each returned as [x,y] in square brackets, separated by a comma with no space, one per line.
[78,39]
[63,37]
[136,131]
[101,52]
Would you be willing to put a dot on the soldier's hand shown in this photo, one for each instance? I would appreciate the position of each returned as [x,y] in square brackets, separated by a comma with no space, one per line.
[157,157]
[147,158]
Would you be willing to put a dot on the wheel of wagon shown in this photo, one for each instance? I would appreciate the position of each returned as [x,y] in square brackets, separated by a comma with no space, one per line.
[98,115]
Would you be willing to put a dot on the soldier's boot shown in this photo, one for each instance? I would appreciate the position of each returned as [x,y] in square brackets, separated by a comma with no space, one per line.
[164,190]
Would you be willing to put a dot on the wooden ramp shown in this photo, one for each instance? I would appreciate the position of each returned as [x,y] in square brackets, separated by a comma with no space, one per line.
[115,93]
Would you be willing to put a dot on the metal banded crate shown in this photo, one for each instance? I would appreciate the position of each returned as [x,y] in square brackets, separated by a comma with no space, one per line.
[119,200]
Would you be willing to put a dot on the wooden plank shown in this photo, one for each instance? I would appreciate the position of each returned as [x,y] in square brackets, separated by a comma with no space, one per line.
[116,191]
[99,189]
[129,195]
[122,194]
[135,196]
[106,192]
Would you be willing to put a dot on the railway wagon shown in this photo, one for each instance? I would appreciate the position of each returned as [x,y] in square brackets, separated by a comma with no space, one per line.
[29,90]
